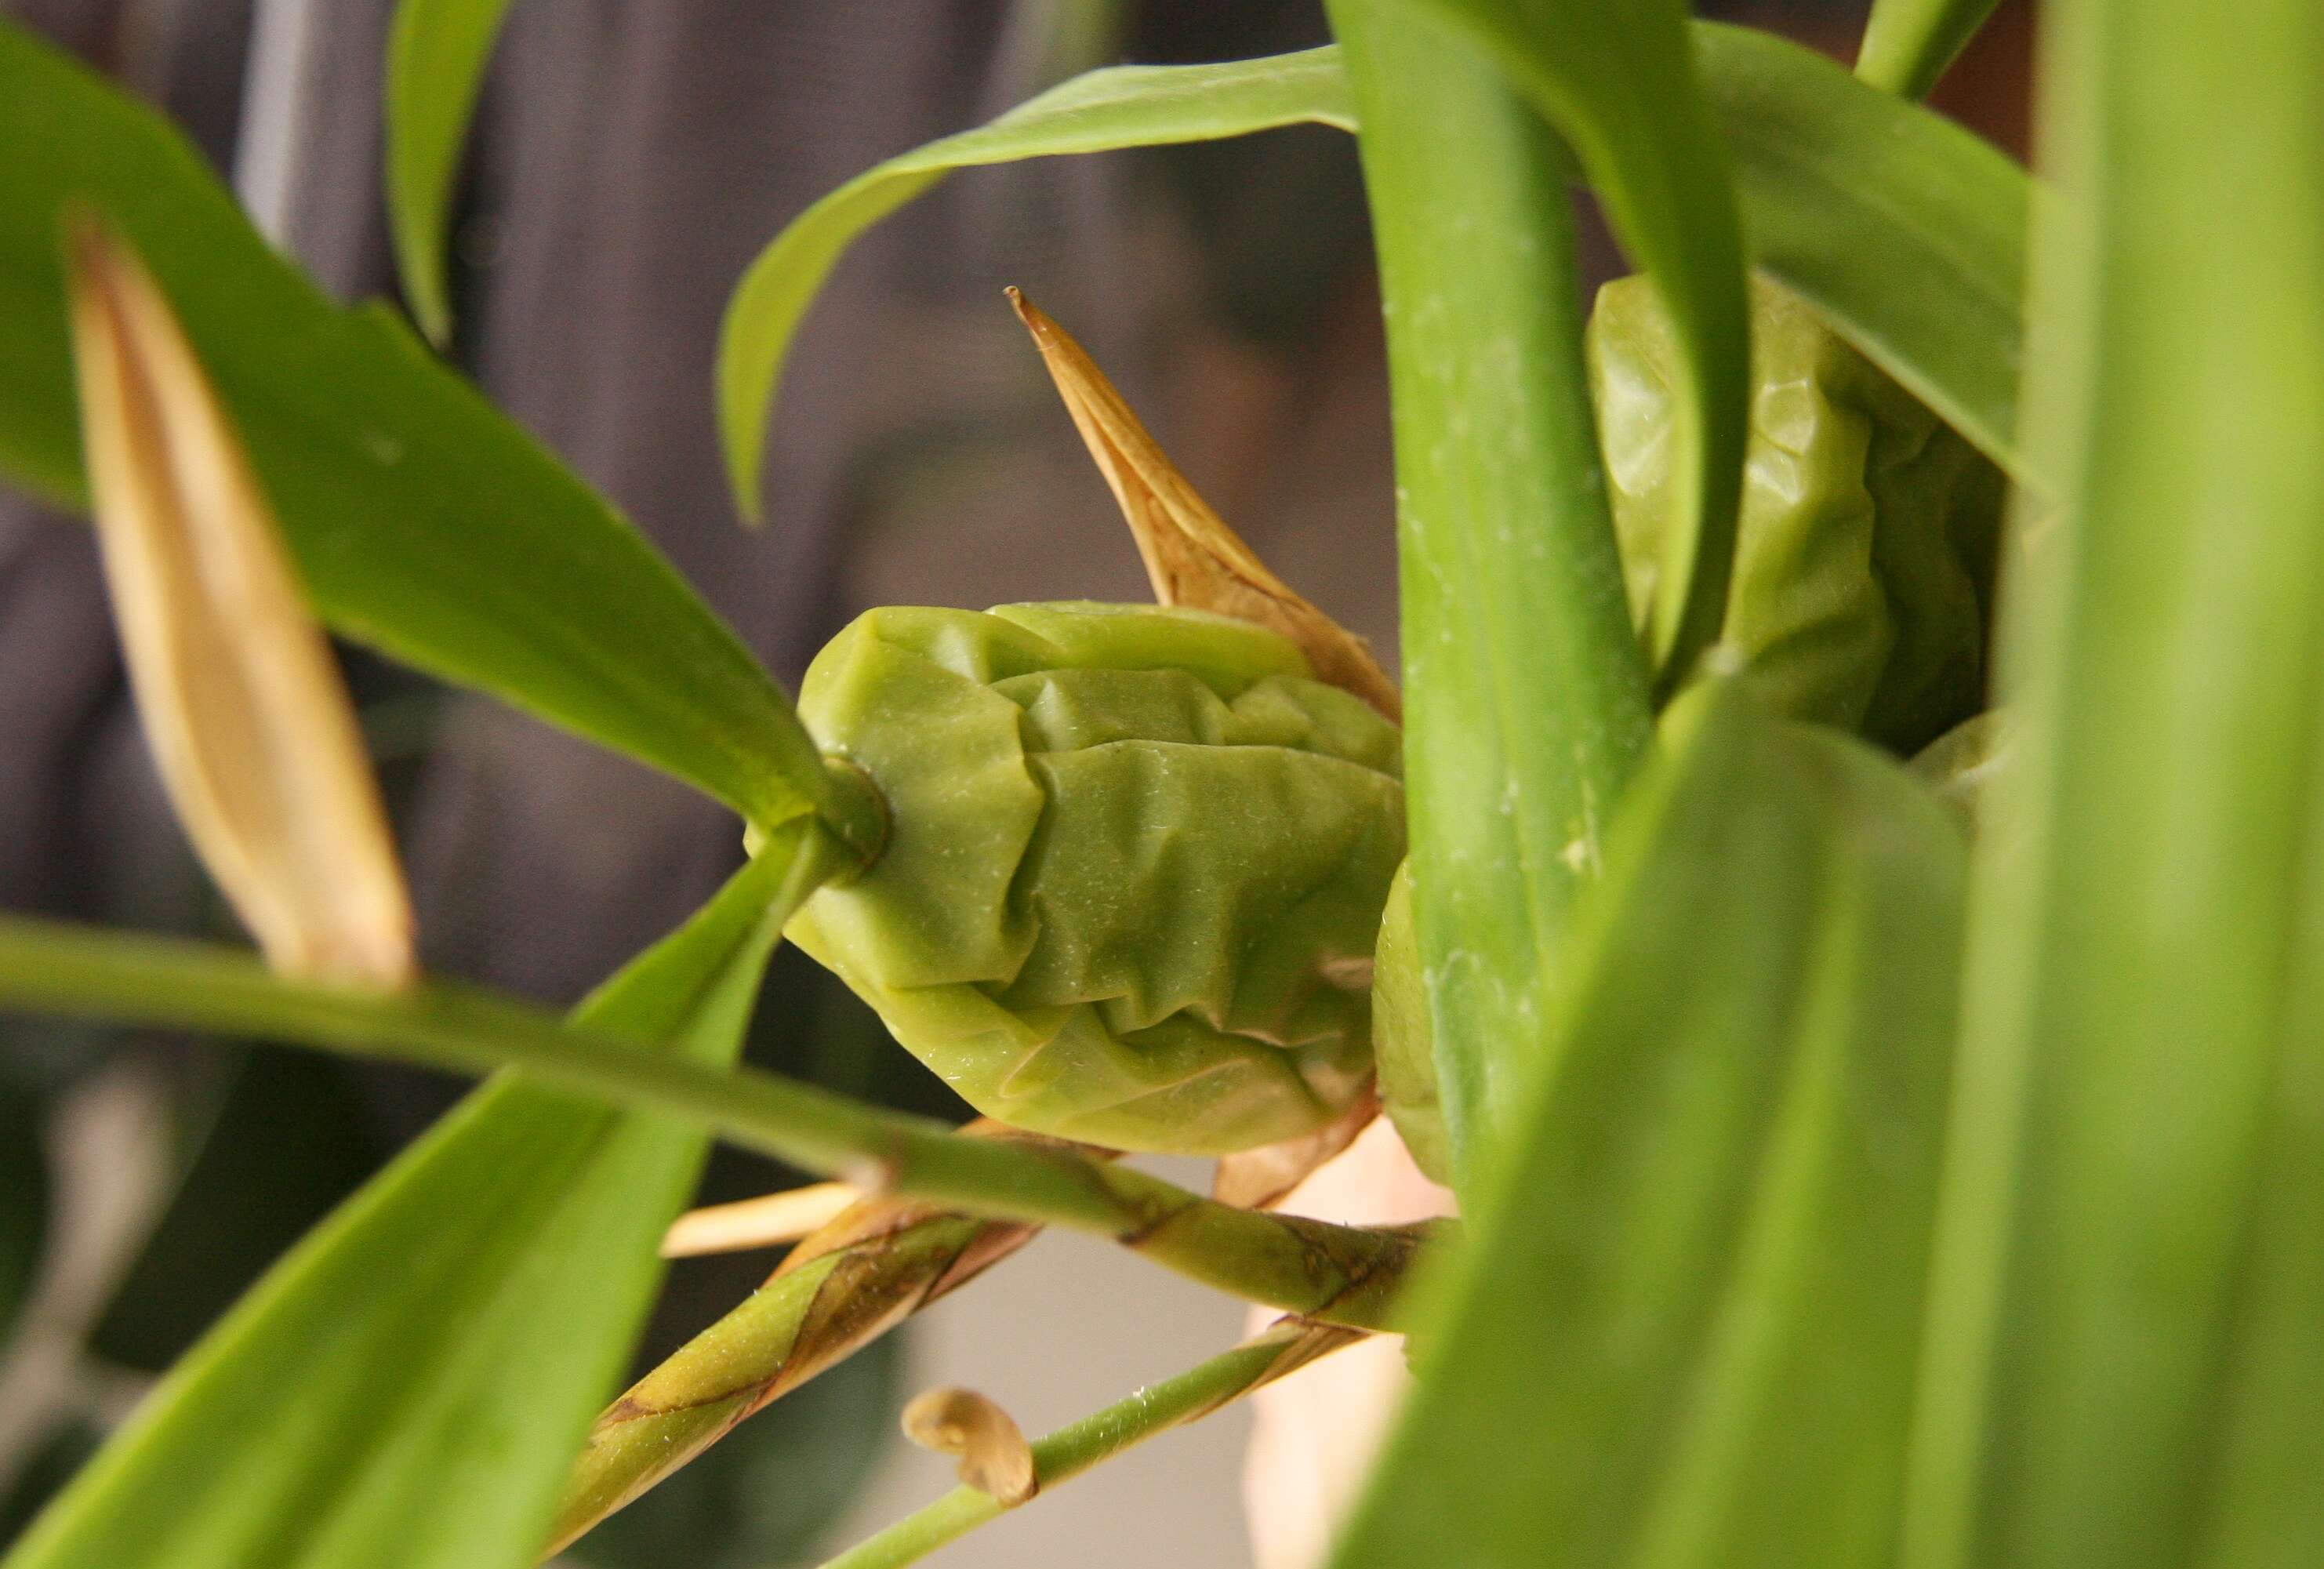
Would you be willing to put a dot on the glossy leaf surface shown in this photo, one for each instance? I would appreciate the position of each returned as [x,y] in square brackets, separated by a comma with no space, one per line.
[2126,1363]
[1683,1333]
[1120,107]
[435,58]
[408,1386]
[423,521]
[1525,689]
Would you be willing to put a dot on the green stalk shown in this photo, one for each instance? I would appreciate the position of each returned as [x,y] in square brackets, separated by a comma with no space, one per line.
[1283,1348]
[1908,44]
[1338,1273]
[1526,695]
[805,1321]
[841,1289]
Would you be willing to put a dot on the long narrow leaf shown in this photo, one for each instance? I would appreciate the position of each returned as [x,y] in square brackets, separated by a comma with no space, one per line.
[409,1387]
[2125,1366]
[435,58]
[1682,1335]
[1908,44]
[1525,692]
[1120,107]
[1618,79]
[1905,230]
[425,522]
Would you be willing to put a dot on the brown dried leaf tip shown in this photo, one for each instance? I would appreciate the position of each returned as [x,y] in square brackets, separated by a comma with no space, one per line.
[994,1457]
[241,700]
[1190,556]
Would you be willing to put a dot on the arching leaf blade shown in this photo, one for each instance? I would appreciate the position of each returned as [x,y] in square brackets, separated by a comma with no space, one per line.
[423,520]
[408,1386]
[435,58]
[1098,112]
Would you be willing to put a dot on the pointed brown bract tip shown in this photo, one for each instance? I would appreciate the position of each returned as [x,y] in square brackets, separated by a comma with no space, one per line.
[994,1458]
[1191,558]
[241,701]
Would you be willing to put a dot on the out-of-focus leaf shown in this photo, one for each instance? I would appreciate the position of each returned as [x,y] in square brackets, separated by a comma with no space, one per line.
[1526,691]
[2127,1353]
[1683,1331]
[24,1198]
[770,1489]
[1908,44]
[436,58]
[1120,107]
[52,1464]
[1618,79]
[409,1387]
[290,1139]
[1905,231]
[424,522]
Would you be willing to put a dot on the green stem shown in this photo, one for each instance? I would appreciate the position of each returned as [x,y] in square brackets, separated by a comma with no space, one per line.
[1908,44]
[1527,693]
[1071,1450]
[1338,1273]
[837,1292]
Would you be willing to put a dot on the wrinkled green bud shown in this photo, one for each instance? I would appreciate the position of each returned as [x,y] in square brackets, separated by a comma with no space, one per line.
[1134,870]
[1864,555]
[1402,1044]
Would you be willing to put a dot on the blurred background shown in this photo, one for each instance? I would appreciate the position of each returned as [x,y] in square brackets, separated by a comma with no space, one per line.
[627,161]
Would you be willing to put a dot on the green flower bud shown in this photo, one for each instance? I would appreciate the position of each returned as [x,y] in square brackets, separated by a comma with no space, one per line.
[1134,870]
[1864,555]
[1402,1045]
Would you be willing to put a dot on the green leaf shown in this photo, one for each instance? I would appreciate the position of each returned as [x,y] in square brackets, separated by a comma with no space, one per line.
[51,1464]
[1904,231]
[1682,1331]
[425,523]
[435,58]
[408,1388]
[1121,106]
[2127,1360]
[1526,696]
[773,1486]
[289,1139]
[1617,78]
[1908,44]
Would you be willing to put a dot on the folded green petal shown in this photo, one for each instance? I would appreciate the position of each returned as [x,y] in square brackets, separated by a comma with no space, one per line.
[1864,563]
[1135,866]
